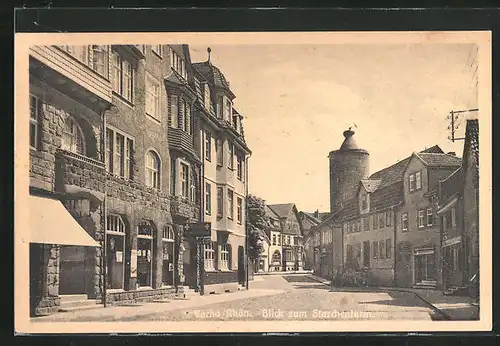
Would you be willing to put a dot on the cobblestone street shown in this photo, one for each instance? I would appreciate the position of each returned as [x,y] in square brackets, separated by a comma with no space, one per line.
[278,297]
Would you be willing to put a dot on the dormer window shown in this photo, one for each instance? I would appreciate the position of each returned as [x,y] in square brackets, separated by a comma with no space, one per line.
[178,64]
[227,109]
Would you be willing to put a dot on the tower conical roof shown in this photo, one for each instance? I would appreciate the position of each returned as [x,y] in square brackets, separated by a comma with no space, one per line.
[349,142]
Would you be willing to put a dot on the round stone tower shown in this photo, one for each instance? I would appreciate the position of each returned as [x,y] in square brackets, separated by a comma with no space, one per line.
[348,165]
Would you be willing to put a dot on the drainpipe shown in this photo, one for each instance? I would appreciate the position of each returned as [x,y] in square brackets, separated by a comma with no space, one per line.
[199,241]
[104,250]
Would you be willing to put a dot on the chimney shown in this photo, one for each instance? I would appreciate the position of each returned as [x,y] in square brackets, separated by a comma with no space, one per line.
[452,153]
[316,214]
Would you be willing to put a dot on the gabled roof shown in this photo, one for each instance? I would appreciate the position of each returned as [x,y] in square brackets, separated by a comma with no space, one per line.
[390,175]
[433,157]
[439,160]
[271,214]
[282,210]
[311,217]
[434,149]
[370,185]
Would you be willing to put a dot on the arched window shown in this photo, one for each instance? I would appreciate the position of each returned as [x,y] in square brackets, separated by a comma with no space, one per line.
[73,139]
[152,170]
[168,233]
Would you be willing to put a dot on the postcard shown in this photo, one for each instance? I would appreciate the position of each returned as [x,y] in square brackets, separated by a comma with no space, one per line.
[253,182]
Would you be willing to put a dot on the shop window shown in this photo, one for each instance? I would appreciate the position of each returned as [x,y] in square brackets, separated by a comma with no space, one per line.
[145,254]
[73,139]
[168,255]
[115,252]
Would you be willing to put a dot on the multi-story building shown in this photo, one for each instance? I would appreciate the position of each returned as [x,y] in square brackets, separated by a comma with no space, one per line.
[459,218]
[118,174]
[275,250]
[69,93]
[388,224]
[292,241]
[220,142]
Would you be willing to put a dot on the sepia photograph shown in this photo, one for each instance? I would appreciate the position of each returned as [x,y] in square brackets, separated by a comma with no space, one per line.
[190,182]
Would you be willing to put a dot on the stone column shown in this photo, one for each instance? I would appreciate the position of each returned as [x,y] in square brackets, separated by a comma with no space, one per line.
[50,300]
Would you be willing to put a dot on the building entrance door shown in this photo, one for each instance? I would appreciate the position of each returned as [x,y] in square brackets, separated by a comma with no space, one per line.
[425,269]
[72,274]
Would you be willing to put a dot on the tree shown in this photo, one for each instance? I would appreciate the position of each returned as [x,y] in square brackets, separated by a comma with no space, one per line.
[257,224]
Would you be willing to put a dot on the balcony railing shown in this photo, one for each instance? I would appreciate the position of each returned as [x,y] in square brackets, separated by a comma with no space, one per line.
[182,207]
[80,175]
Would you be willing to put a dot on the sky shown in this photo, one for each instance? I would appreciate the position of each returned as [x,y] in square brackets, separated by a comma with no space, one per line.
[298,99]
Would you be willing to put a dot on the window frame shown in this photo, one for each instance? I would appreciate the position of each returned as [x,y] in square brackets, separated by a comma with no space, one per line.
[421,218]
[150,170]
[239,166]
[209,256]
[219,152]
[220,201]
[153,94]
[231,155]
[230,204]
[208,145]
[174,114]
[405,219]
[73,146]
[208,198]
[34,122]
[388,248]
[157,49]
[121,68]
[239,210]
[430,217]
[224,252]
[184,180]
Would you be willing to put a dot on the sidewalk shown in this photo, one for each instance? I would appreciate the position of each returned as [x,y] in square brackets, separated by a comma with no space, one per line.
[129,312]
[284,273]
[444,307]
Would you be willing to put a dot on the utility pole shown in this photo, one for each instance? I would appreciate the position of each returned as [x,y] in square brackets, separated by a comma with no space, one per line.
[453,117]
